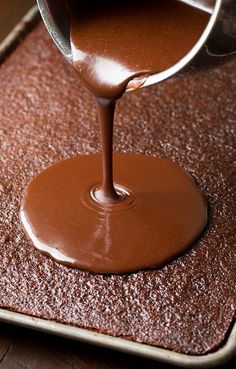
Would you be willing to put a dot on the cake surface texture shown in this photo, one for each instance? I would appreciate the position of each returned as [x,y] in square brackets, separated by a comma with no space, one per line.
[47,115]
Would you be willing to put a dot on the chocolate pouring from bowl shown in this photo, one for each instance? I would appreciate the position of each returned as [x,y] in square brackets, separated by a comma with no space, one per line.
[216,45]
[99,221]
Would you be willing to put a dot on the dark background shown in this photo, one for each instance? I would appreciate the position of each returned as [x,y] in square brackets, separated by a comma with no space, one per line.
[11,11]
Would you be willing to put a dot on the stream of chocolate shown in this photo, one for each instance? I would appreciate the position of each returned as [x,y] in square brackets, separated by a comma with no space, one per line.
[153,210]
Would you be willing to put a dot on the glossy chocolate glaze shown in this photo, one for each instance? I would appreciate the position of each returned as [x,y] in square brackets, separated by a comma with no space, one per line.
[150,226]
[155,211]
[187,306]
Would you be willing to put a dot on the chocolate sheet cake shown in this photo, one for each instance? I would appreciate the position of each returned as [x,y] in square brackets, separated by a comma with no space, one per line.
[46,115]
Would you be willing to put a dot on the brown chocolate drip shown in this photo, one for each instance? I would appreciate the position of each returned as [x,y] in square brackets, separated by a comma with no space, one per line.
[106,109]
[155,211]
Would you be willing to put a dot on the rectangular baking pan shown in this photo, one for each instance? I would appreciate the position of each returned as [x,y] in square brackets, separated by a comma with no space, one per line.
[222,355]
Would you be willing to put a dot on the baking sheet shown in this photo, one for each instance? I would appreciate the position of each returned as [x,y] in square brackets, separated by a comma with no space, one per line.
[210,360]
[120,344]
